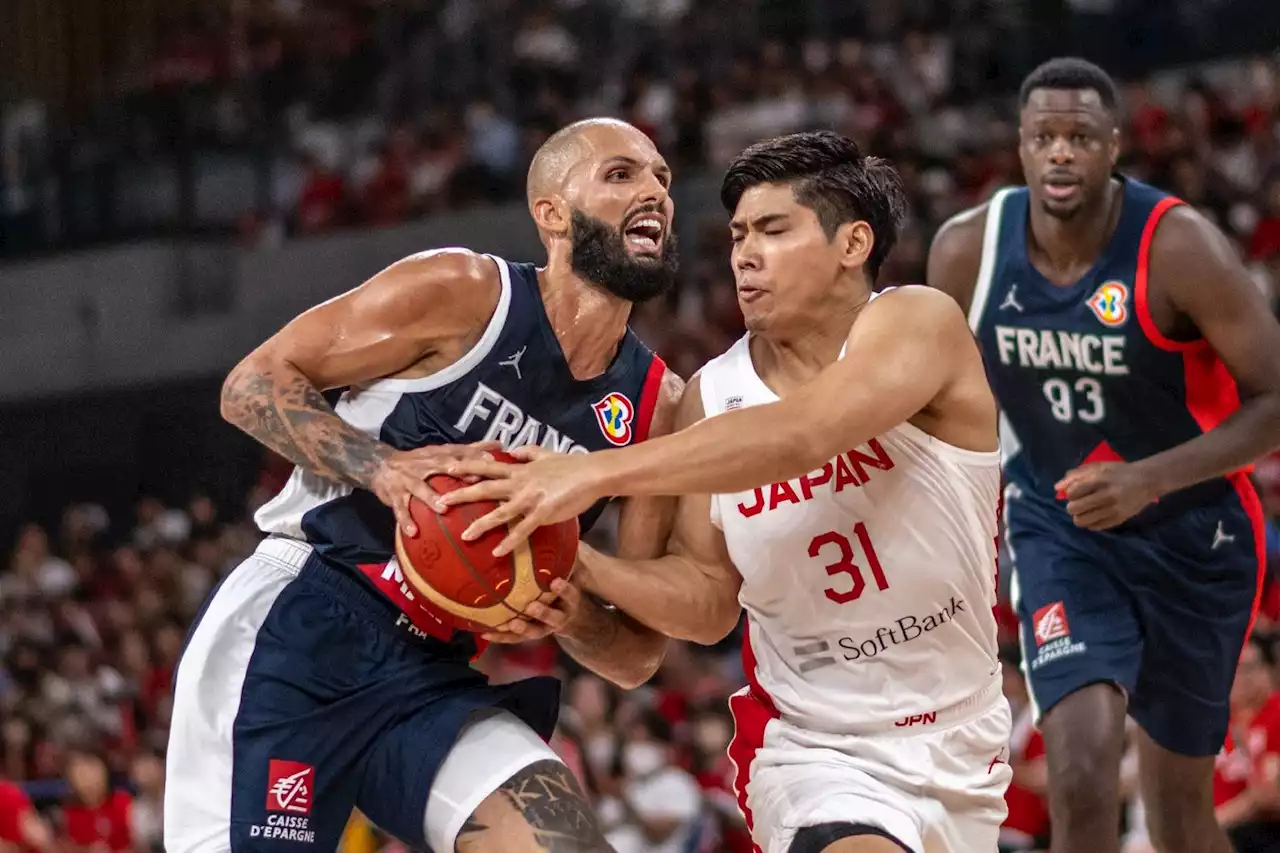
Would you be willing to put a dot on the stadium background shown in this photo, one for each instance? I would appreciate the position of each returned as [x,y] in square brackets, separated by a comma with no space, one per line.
[177,179]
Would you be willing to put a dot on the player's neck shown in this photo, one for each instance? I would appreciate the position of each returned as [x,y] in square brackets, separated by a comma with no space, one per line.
[784,360]
[1070,246]
[589,322]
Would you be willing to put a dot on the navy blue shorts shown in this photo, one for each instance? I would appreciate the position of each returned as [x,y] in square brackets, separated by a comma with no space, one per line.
[299,697]
[1161,609]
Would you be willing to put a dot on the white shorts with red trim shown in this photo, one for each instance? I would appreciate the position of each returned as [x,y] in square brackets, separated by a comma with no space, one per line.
[936,787]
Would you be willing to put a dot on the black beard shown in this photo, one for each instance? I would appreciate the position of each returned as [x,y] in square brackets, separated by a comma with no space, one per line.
[600,256]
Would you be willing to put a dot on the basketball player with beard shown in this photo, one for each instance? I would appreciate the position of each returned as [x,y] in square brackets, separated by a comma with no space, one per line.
[314,681]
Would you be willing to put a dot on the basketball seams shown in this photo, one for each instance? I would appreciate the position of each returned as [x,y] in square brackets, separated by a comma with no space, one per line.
[471,570]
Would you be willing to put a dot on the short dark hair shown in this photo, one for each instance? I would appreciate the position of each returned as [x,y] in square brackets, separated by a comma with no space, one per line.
[1071,72]
[830,176]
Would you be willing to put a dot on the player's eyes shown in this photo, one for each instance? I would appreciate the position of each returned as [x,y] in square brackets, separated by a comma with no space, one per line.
[617,174]
[1079,139]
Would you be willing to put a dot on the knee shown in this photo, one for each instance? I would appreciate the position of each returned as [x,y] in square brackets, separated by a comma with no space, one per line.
[1182,824]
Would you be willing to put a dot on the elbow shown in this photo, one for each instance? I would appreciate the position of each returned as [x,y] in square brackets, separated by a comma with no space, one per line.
[716,626]
[229,399]
[641,668]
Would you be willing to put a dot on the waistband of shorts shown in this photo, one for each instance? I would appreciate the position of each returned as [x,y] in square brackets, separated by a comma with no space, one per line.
[301,560]
[961,712]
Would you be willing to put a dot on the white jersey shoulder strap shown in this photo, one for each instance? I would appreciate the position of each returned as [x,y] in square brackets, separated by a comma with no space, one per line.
[990,247]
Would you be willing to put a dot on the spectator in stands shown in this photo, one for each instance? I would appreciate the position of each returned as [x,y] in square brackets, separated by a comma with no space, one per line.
[95,819]
[1247,772]
[22,830]
[661,802]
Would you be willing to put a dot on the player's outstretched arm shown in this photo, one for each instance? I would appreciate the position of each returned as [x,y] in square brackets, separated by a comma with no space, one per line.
[385,326]
[688,590]
[1199,272]
[608,641]
[955,256]
[897,360]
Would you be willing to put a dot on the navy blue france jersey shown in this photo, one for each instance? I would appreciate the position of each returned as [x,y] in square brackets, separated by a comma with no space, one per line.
[513,386]
[1081,372]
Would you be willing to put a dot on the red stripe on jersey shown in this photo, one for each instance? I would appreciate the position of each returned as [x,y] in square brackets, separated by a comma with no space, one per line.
[1140,286]
[649,397]
[1212,395]
[1258,521]
[751,713]
[1211,392]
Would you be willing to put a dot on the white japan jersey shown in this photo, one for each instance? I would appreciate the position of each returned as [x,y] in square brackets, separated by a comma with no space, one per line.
[868,584]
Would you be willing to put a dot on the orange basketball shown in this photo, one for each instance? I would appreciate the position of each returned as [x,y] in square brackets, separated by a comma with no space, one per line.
[464,579]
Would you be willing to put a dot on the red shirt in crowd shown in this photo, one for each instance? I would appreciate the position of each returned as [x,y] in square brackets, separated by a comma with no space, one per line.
[107,822]
[14,805]
[1242,754]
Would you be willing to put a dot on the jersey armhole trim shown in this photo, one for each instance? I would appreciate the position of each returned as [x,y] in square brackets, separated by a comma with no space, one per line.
[987,268]
[649,397]
[1141,284]
[472,357]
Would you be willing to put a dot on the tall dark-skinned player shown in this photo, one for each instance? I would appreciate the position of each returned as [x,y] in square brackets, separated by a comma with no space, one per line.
[1138,372]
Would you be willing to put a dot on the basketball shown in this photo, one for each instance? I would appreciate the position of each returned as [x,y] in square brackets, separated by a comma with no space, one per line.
[464,579]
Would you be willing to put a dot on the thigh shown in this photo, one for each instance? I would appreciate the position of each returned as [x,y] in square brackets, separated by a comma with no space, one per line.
[1197,604]
[1078,623]
[825,787]
[250,763]
[969,775]
[468,769]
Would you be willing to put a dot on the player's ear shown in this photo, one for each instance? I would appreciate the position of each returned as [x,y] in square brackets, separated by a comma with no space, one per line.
[1115,146]
[856,240]
[551,215]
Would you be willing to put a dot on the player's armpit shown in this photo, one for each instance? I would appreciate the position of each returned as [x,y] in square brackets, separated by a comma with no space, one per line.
[955,255]
[1196,270]
[541,809]
[385,326]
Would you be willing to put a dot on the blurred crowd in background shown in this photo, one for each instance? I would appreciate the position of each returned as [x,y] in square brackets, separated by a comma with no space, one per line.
[285,119]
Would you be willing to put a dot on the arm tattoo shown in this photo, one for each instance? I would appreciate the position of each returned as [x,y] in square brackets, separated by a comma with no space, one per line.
[285,412]
[541,808]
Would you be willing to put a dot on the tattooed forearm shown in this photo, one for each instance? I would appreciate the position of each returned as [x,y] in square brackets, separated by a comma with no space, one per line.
[541,809]
[613,645]
[284,411]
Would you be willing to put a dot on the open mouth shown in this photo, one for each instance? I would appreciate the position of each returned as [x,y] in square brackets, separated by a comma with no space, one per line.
[1061,187]
[644,232]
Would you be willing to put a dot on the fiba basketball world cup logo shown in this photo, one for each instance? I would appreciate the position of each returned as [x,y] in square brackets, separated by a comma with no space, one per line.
[614,414]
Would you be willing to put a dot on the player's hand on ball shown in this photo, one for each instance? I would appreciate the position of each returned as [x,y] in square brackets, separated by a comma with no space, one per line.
[552,613]
[1101,495]
[403,475]
[549,487]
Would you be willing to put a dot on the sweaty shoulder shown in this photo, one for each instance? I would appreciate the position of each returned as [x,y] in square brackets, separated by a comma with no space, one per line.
[920,307]
[667,412]
[955,255]
[441,287]
[688,408]
[928,333]
[410,319]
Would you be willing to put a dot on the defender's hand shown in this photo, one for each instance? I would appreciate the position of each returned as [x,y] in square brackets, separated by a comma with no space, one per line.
[1104,494]
[403,475]
[550,487]
[552,613]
